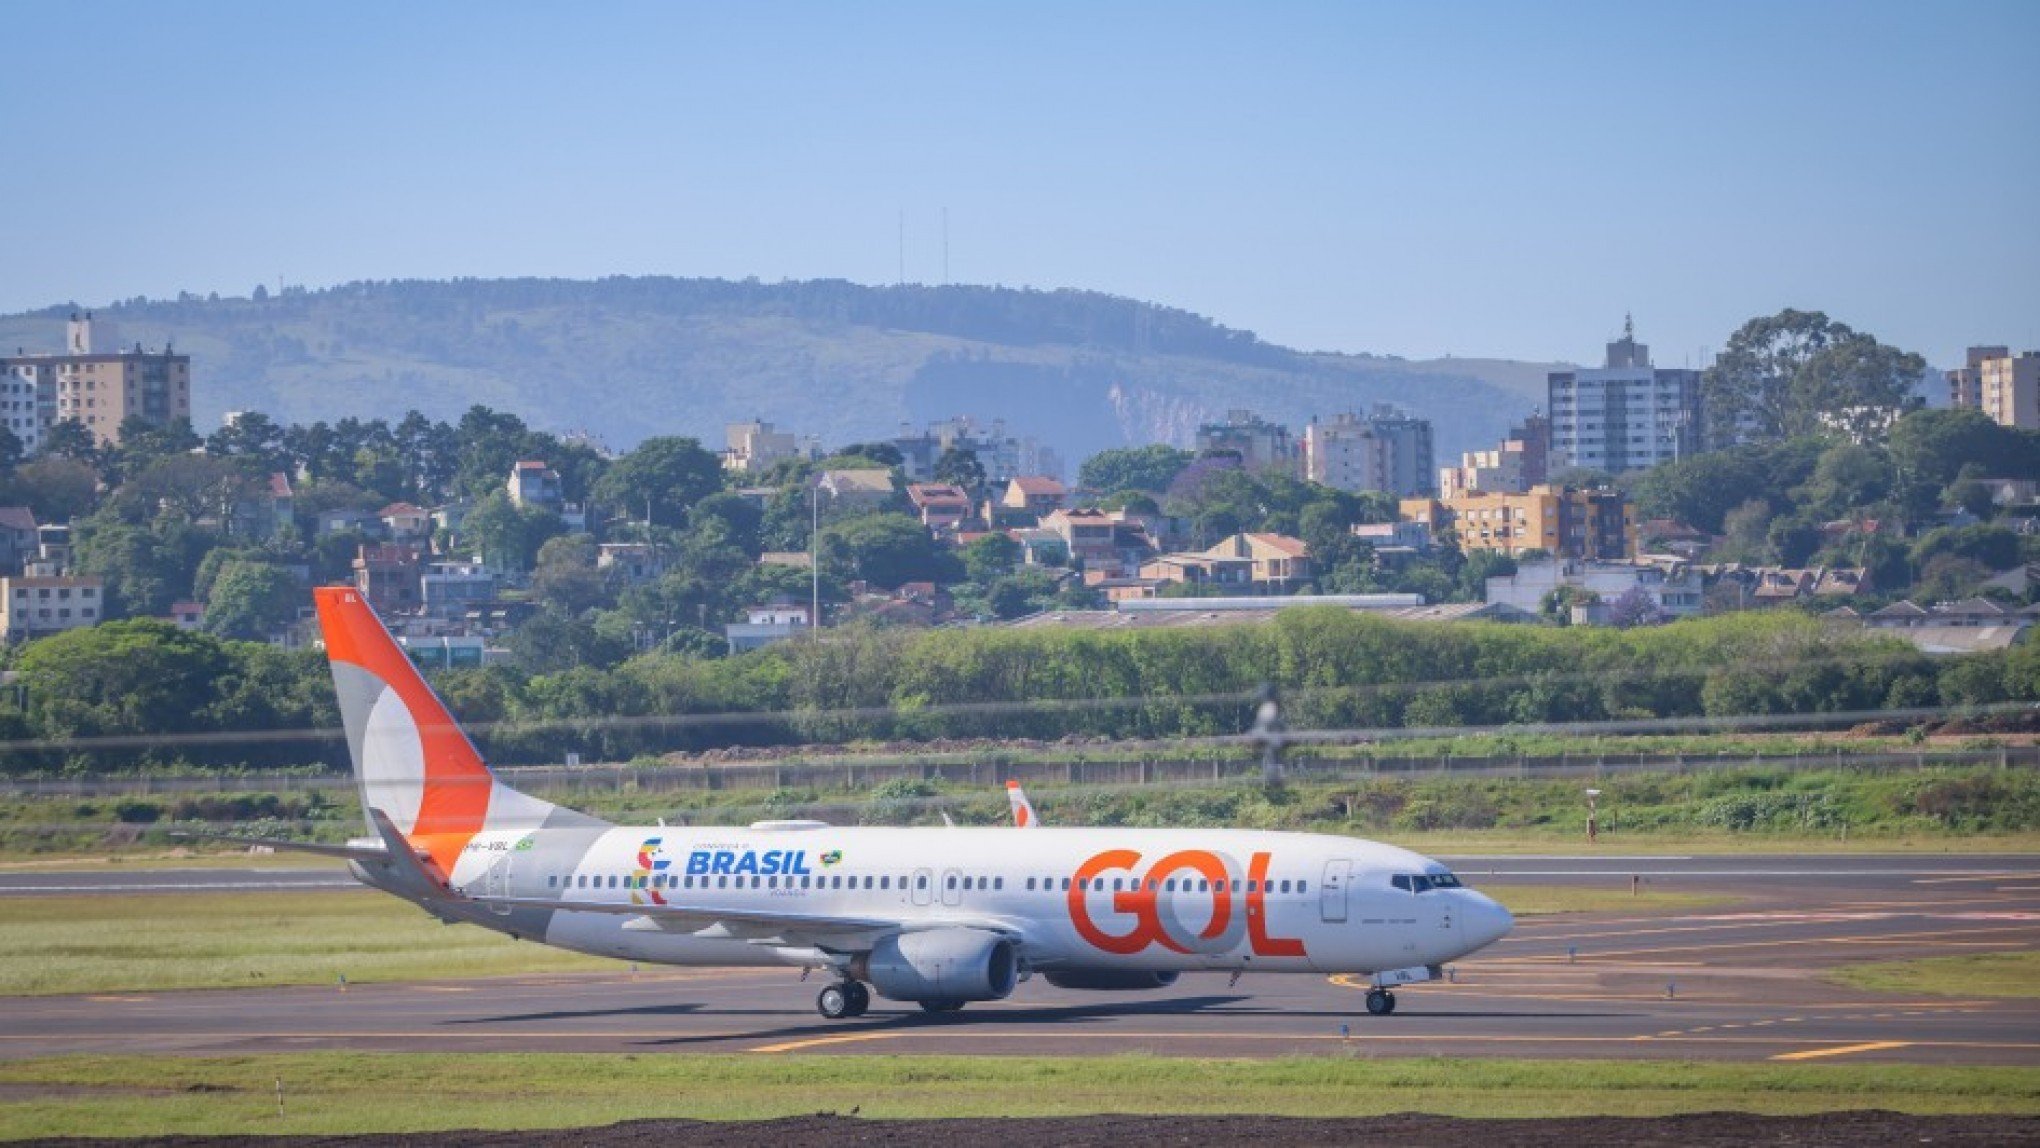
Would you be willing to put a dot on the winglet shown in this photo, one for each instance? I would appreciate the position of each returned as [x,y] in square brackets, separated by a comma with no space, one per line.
[1023,809]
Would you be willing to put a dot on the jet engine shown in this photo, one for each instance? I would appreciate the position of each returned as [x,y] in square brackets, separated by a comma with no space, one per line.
[941,965]
[1110,980]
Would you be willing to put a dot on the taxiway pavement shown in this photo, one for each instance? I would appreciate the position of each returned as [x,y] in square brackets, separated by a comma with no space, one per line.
[1739,982]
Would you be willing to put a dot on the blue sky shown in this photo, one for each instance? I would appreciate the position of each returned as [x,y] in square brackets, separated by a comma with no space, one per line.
[1419,179]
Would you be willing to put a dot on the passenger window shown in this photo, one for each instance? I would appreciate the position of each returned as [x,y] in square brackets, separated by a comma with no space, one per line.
[1204,886]
[612,880]
[1030,884]
[867,882]
[998,883]
[885,882]
[722,882]
[772,882]
[1303,886]
[1066,884]
[1236,885]
[1285,887]
[921,882]
[952,882]
[551,882]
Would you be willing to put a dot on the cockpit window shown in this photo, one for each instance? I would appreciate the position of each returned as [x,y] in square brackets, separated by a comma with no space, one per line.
[1424,882]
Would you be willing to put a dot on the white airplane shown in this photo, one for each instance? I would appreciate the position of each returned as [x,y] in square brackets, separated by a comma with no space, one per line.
[936,916]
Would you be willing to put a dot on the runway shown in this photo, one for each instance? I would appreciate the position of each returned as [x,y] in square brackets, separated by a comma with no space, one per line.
[1738,982]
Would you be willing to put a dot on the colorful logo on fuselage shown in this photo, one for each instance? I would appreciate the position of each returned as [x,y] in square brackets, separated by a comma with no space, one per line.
[748,862]
[832,857]
[649,862]
[1150,896]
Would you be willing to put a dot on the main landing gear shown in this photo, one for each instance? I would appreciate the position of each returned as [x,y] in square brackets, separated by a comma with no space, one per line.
[842,1000]
[1380,1002]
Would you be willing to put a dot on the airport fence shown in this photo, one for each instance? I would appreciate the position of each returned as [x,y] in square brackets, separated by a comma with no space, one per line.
[854,774]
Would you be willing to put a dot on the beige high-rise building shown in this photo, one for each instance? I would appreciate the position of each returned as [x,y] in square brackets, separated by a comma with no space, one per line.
[100,389]
[2008,389]
[1965,383]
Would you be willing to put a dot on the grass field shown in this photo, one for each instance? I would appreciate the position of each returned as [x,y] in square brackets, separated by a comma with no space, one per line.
[1974,974]
[329,1093]
[237,940]
[90,944]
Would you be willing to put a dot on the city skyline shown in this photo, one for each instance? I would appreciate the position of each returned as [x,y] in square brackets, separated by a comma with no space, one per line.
[1486,181]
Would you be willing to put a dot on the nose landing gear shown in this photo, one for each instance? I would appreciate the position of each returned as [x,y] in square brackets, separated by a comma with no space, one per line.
[843,1000]
[1380,1002]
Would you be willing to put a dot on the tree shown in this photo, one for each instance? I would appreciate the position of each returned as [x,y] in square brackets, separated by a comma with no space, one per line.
[252,435]
[145,569]
[136,677]
[251,600]
[1150,468]
[508,536]
[70,438]
[960,467]
[738,517]
[1780,374]
[662,478]
[57,488]
[987,558]
[1933,446]
[887,550]
[11,450]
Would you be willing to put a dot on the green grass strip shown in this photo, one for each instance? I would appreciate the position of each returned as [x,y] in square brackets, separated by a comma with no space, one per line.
[334,1093]
[1970,975]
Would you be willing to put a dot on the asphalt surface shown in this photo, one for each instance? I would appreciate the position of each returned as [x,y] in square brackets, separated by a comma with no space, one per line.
[1738,982]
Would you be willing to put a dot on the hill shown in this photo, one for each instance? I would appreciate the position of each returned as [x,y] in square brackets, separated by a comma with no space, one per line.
[624,358]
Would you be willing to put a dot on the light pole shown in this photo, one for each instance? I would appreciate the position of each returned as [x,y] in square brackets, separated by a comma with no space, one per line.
[815,558]
[1593,818]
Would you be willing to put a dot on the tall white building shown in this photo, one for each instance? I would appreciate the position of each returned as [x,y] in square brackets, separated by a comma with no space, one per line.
[1627,415]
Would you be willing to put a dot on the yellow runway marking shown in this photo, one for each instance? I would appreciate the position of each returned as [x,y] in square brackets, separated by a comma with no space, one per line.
[117,999]
[1844,1050]
[1958,880]
[851,1038]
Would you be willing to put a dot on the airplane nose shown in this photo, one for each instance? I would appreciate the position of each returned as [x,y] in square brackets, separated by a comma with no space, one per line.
[1484,922]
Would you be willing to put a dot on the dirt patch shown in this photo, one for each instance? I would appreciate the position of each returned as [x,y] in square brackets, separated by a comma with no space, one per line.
[1725,1129]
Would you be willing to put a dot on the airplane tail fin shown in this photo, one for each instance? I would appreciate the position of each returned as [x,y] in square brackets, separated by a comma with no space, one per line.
[1023,809]
[411,759]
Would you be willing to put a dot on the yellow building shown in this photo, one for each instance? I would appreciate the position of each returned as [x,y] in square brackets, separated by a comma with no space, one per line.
[1562,521]
[2009,389]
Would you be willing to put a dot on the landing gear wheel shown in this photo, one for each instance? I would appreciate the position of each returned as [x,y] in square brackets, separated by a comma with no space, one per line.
[860,997]
[834,1002]
[941,1006]
[1380,1002]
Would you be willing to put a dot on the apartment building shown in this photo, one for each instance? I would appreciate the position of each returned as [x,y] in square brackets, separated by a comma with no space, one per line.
[1385,449]
[1965,383]
[1519,462]
[1562,521]
[32,606]
[1626,415]
[100,389]
[1260,444]
[757,446]
[2008,389]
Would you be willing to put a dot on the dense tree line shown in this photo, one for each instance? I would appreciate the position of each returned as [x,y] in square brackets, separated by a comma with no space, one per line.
[169,689]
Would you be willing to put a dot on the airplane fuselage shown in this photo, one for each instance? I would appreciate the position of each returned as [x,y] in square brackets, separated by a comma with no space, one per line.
[1159,900]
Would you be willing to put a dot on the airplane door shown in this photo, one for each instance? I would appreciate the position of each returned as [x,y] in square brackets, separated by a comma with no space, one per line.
[952,887]
[497,883]
[1332,892]
[924,886]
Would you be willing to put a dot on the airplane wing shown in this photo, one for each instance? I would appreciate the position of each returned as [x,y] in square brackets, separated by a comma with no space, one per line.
[1024,816]
[752,924]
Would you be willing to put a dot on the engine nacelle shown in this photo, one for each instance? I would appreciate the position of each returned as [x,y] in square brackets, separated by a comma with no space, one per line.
[941,965]
[1110,980]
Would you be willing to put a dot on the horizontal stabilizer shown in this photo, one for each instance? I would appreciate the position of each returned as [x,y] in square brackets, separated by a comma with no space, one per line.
[350,852]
